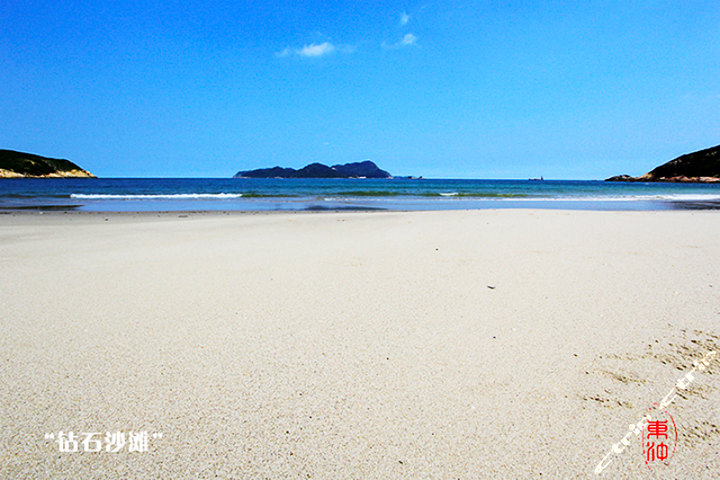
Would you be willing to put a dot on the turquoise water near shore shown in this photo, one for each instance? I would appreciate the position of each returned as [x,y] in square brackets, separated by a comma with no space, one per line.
[205,194]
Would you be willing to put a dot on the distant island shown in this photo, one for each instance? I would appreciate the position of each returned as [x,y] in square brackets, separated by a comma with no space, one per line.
[701,167]
[366,169]
[19,164]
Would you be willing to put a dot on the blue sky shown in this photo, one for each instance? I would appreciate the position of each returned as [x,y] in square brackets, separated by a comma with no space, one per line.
[501,89]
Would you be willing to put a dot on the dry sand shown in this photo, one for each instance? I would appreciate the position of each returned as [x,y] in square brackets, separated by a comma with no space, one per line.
[358,346]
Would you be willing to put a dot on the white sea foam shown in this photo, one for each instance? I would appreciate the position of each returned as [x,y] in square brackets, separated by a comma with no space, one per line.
[176,196]
[691,197]
[680,197]
[688,197]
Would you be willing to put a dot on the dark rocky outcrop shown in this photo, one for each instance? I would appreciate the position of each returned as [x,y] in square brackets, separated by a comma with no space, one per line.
[366,169]
[19,164]
[274,172]
[620,178]
[318,170]
[702,166]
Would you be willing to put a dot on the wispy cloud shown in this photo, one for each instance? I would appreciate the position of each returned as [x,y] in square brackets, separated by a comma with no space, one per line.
[404,18]
[316,50]
[284,53]
[408,40]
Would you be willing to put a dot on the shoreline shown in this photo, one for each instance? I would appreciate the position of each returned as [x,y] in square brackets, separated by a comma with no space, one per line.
[183,214]
[541,205]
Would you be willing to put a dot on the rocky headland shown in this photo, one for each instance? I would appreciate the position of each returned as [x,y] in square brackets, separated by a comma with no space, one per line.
[698,167]
[27,165]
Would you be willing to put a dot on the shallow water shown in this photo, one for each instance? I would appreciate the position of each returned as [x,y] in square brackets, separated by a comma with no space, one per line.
[162,194]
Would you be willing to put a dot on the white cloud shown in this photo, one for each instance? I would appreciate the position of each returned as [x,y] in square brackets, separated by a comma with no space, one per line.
[404,18]
[316,50]
[408,40]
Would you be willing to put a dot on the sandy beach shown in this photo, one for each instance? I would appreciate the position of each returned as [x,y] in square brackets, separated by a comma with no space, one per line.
[439,345]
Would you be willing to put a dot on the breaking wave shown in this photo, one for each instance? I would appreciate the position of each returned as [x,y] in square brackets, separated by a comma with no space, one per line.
[174,196]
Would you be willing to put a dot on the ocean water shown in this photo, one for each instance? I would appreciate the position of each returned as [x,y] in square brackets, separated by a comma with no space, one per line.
[203,194]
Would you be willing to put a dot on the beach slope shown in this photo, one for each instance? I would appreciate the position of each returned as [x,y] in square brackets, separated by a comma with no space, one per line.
[478,344]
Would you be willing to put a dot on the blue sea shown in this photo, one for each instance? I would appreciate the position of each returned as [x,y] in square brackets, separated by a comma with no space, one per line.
[245,194]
